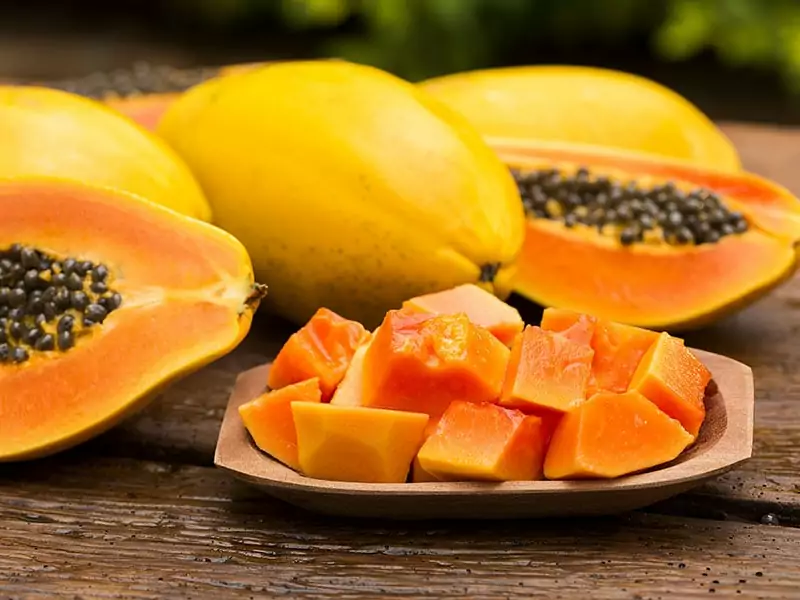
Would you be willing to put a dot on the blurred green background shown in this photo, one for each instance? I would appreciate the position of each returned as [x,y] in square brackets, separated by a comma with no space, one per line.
[735,58]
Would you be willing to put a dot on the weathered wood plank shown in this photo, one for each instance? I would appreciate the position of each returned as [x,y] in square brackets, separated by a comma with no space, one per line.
[77,527]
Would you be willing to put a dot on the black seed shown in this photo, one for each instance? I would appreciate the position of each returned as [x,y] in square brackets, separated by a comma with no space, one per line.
[49,295]
[740,226]
[16,330]
[65,340]
[100,273]
[610,216]
[3,311]
[645,221]
[683,235]
[79,300]
[701,229]
[62,299]
[569,221]
[114,301]
[16,314]
[98,287]
[4,292]
[17,298]
[3,335]
[74,282]
[601,200]
[45,343]
[59,279]
[539,214]
[14,251]
[69,266]
[95,313]
[35,305]
[711,237]
[716,216]
[5,352]
[29,258]
[84,267]
[40,320]
[33,334]
[19,354]
[726,229]
[628,236]
[624,212]
[65,323]
[6,266]
[32,280]
[49,311]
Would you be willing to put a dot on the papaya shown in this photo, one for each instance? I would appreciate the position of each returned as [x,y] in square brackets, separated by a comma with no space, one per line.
[671,376]
[421,363]
[350,391]
[481,307]
[618,349]
[351,188]
[546,372]
[645,242]
[420,475]
[611,435]
[484,442]
[352,443]
[144,91]
[270,423]
[51,133]
[321,349]
[585,105]
[93,320]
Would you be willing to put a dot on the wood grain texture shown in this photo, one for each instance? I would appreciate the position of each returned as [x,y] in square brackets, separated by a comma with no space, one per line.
[89,528]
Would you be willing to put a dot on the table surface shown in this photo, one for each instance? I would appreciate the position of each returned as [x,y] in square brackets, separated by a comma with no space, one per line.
[140,512]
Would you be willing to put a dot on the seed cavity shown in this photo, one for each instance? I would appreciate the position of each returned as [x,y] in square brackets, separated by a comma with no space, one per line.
[631,212]
[46,303]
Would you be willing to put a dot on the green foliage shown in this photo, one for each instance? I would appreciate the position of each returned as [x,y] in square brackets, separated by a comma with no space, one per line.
[421,38]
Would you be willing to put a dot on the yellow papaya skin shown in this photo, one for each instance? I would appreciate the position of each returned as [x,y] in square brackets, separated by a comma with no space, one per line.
[51,133]
[585,105]
[351,188]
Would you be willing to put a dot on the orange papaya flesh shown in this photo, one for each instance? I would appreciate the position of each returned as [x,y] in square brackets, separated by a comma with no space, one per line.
[350,392]
[671,376]
[421,363]
[661,266]
[618,349]
[481,441]
[351,443]
[59,381]
[546,372]
[611,435]
[270,423]
[322,348]
[481,307]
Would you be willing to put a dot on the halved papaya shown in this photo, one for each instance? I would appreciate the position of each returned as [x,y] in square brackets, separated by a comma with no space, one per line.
[421,363]
[322,348]
[481,307]
[93,319]
[647,242]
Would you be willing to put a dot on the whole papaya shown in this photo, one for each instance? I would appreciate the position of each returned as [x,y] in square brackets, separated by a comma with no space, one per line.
[48,132]
[349,187]
[585,105]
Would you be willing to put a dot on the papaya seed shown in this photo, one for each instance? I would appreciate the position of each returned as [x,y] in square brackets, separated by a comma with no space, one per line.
[19,354]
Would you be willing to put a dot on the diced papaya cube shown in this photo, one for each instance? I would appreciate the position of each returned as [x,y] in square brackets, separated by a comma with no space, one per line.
[611,435]
[352,443]
[546,372]
[421,363]
[350,392]
[481,307]
[322,348]
[484,442]
[574,325]
[420,475]
[269,420]
[673,378]
[618,348]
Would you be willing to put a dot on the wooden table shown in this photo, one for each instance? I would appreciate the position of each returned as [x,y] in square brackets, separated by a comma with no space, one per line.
[141,513]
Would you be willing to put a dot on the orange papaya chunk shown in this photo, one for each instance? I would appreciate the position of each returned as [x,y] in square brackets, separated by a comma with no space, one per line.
[611,435]
[673,378]
[420,475]
[352,443]
[322,348]
[481,307]
[421,363]
[618,348]
[484,442]
[269,420]
[350,392]
[546,372]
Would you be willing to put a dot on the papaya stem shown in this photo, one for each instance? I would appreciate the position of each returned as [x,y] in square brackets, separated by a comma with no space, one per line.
[258,294]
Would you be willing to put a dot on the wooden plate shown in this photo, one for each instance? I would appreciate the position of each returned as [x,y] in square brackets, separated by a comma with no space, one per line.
[725,440]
